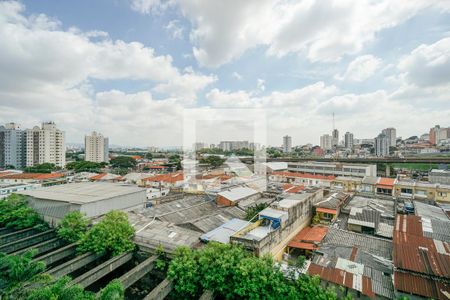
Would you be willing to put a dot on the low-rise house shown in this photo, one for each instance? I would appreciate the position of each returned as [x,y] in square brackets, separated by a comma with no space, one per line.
[385,186]
[439,176]
[369,221]
[170,180]
[292,188]
[41,178]
[306,241]
[422,190]
[421,255]
[326,211]
[360,263]
[270,167]
[232,196]
[305,179]
[277,224]
[106,177]
[346,184]
[369,185]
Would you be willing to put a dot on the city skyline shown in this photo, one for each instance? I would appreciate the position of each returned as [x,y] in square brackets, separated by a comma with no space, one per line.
[132,73]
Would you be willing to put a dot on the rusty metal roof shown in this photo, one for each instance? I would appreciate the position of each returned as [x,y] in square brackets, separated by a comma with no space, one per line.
[418,285]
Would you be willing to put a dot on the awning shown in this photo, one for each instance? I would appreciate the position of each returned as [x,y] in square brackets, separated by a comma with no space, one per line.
[387,187]
[326,210]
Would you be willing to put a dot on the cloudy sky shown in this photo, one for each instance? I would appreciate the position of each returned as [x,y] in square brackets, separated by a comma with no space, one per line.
[132,68]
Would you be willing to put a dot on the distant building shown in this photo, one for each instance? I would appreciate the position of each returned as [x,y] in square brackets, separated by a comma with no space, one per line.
[331,168]
[437,133]
[326,142]
[233,145]
[12,146]
[348,140]
[287,144]
[45,145]
[439,176]
[391,135]
[96,148]
[335,140]
[382,145]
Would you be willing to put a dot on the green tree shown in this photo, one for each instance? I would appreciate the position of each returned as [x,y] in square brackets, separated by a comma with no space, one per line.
[112,235]
[42,168]
[252,211]
[123,162]
[60,290]
[113,291]
[213,160]
[85,166]
[148,156]
[233,273]
[17,270]
[73,226]
[14,213]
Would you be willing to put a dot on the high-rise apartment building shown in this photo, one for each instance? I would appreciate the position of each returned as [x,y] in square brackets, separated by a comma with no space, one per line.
[391,134]
[96,148]
[348,140]
[335,137]
[233,145]
[12,146]
[382,145]
[326,142]
[287,144]
[45,145]
[437,134]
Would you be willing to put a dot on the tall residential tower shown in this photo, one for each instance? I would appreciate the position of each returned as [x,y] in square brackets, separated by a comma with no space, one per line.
[96,148]
[45,145]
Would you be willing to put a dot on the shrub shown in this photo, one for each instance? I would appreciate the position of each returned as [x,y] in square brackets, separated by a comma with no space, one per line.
[112,235]
[73,227]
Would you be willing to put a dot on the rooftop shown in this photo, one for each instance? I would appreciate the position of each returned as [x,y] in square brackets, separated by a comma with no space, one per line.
[238,193]
[35,176]
[370,180]
[309,237]
[304,175]
[82,192]
[223,232]
[430,211]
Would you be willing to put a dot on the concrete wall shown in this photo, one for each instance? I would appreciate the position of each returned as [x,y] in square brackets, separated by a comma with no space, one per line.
[299,217]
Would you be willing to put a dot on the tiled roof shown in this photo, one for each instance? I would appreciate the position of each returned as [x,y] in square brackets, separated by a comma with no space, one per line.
[418,285]
[169,178]
[308,237]
[292,188]
[386,181]
[36,176]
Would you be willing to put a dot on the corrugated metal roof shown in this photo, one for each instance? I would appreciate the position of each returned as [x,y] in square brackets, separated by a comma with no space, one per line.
[419,285]
[222,233]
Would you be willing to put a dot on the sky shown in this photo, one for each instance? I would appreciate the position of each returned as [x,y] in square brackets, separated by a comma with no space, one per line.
[134,70]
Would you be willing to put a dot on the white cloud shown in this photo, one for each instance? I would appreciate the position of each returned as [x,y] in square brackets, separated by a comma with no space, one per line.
[361,68]
[237,76]
[260,84]
[322,30]
[46,74]
[428,65]
[175,29]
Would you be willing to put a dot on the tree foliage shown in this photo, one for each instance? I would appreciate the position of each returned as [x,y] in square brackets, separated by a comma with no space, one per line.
[213,160]
[85,166]
[60,290]
[148,156]
[123,162]
[233,273]
[113,291]
[252,211]
[14,213]
[42,168]
[112,235]
[17,270]
[73,227]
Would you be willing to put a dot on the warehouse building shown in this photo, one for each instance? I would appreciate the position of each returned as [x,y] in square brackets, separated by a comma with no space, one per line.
[91,198]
